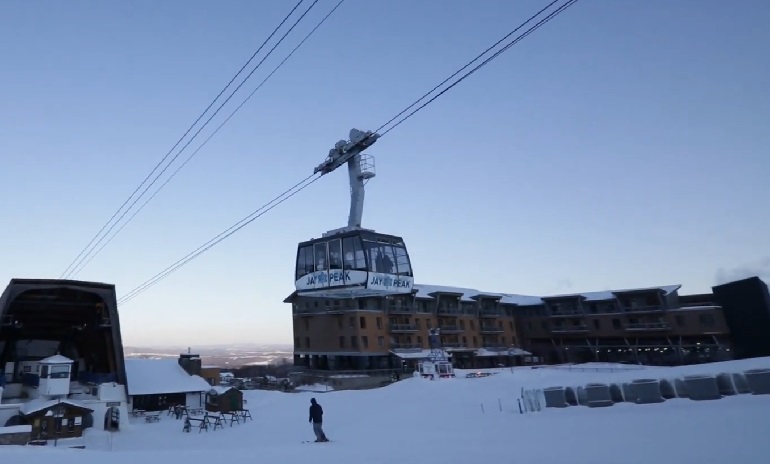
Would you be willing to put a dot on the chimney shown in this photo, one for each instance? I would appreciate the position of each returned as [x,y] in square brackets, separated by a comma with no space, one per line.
[191,363]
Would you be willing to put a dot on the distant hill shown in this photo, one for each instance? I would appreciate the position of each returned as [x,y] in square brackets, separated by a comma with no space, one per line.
[224,356]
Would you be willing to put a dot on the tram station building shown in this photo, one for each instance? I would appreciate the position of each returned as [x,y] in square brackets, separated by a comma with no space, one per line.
[655,326]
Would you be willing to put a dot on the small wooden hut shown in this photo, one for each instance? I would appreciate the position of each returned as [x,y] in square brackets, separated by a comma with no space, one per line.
[56,418]
[224,399]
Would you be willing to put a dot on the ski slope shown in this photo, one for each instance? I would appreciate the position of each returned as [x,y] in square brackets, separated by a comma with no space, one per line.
[453,421]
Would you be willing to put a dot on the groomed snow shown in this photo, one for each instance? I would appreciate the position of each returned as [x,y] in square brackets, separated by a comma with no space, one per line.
[455,421]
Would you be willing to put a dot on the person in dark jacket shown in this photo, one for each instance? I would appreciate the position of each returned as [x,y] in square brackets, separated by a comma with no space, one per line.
[316,417]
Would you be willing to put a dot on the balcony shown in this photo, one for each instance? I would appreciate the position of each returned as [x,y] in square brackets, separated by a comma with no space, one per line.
[403,328]
[450,329]
[570,329]
[647,326]
[567,313]
[405,346]
[488,328]
[455,346]
[401,309]
[643,309]
[444,311]
[490,313]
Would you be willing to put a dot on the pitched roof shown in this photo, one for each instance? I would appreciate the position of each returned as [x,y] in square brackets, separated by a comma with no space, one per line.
[159,376]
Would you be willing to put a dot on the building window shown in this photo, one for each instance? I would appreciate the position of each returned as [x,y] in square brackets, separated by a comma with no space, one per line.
[511,324]
[307,342]
[475,342]
[339,322]
[465,340]
[342,341]
[296,342]
[354,341]
[616,324]
[352,322]
[379,323]
[679,320]
[362,321]
[419,341]
[365,341]
[307,323]
[597,324]
[381,342]
[417,323]
[473,325]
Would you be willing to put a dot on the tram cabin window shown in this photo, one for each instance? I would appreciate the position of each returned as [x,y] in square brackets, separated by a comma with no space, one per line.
[321,261]
[305,263]
[335,254]
[388,259]
[354,254]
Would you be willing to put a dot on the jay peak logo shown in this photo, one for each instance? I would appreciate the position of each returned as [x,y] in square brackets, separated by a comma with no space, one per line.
[324,278]
[388,282]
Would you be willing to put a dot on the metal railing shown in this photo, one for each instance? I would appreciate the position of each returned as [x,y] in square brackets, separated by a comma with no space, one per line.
[450,328]
[643,309]
[570,329]
[567,313]
[648,326]
[454,345]
[403,328]
[405,346]
[490,313]
[401,309]
[490,329]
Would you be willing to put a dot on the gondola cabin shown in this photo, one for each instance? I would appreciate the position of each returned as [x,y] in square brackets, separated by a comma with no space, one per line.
[354,263]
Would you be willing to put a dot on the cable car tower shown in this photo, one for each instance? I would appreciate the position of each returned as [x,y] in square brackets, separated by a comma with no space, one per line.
[351,261]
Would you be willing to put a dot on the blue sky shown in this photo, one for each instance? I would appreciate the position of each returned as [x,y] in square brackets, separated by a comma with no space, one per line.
[623,144]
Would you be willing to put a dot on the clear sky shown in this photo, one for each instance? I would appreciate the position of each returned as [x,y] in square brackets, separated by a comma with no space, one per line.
[623,144]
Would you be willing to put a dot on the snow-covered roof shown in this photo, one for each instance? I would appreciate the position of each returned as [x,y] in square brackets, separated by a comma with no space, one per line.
[56,359]
[468,294]
[36,405]
[158,376]
[221,389]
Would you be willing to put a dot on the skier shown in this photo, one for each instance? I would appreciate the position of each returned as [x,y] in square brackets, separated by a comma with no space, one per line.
[316,417]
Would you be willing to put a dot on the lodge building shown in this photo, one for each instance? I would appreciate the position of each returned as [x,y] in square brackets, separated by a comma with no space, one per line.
[655,325]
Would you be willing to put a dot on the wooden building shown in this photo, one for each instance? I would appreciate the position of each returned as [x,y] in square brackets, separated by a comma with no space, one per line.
[211,374]
[224,399]
[56,419]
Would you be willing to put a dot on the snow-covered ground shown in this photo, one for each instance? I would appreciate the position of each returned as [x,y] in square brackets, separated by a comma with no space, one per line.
[454,421]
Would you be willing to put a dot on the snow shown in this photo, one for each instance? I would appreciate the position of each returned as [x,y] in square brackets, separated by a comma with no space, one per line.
[158,376]
[467,294]
[455,420]
[221,389]
[15,429]
[38,405]
[56,359]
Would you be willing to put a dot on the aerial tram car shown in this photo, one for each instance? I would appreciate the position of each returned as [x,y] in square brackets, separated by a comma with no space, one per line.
[351,261]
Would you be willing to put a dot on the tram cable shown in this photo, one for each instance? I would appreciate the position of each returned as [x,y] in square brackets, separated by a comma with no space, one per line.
[513,42]
[222,124]
[307,181]
[285,195]
[76,265]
